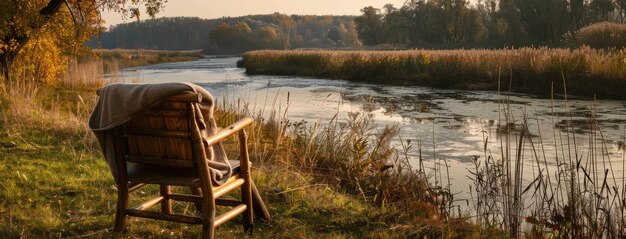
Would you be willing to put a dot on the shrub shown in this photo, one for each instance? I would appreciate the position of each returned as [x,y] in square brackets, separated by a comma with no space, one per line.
[600,35]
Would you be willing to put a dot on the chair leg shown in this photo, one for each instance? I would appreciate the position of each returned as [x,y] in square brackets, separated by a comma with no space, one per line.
[260,210]
[166,204]
[120,212]
[208,231]
[246,197]
[208,215]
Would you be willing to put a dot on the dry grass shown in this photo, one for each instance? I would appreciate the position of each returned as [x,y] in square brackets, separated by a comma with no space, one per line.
[588,72]
[122,58]
[355,156]
[84,75]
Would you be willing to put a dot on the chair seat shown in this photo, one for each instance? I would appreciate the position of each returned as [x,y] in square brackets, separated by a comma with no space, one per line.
[188,177]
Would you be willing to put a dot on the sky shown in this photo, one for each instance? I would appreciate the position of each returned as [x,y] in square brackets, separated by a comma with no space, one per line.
[220,8]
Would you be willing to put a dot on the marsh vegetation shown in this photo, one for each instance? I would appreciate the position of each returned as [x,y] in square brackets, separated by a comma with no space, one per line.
[585,71]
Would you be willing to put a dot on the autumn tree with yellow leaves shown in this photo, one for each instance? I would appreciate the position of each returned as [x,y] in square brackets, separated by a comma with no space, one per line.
[38,36]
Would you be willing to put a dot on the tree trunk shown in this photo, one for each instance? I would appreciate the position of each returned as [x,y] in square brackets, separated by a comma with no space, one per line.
[4,66]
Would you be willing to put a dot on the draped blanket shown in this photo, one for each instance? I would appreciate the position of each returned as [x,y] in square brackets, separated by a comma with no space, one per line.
[119,103]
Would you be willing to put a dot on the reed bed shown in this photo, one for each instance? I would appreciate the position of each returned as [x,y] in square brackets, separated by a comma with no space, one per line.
[588,72]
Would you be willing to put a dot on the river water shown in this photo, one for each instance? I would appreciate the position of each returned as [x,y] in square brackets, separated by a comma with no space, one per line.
[453,125]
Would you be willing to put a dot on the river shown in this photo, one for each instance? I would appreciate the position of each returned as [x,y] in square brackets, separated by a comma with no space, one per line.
[449,124]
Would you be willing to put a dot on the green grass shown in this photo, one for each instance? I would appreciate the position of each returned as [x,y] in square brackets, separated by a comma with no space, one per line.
[56,184]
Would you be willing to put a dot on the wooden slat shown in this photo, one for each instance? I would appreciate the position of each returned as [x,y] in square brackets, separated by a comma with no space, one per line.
[228,202]
[156,133]
[165,217]
[178,148]
[218,192]
[229,215]
[148,203]
[186,97]
[185,197]
[134,186]
[167,113]
[228,131]
[160,161]
[195,198]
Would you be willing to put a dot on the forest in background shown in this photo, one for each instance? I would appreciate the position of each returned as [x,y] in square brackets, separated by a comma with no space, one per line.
[232,34]
[447,24]
[432,24]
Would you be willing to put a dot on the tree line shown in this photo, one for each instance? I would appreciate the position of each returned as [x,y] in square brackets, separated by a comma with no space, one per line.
[232,34]
[486,23]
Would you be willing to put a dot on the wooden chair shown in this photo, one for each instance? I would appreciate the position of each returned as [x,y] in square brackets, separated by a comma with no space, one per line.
[164,146]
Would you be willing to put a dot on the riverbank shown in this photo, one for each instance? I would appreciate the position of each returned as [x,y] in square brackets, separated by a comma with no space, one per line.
[317,184]
[124,58]
[585,72]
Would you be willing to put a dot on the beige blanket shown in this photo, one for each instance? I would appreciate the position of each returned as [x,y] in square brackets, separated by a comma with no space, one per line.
[118,103]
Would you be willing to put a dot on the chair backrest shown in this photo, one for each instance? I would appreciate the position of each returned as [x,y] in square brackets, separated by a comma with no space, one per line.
[162,135]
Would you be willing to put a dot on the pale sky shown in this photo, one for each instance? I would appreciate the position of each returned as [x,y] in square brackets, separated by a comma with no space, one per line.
[219,8]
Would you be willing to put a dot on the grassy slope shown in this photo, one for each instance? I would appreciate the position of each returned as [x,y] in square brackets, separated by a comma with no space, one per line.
[56,184]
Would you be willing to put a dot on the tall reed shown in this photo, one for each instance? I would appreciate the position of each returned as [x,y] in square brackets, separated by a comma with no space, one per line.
[352,153]
[83,75]
[575,193]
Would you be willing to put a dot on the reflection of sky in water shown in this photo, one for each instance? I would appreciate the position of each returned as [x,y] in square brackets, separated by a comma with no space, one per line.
[458,122]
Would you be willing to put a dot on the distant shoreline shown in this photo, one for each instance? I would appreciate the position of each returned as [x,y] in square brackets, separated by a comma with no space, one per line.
[125,58]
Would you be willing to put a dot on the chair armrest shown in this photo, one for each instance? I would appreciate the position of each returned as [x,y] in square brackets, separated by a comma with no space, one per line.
[228,131]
